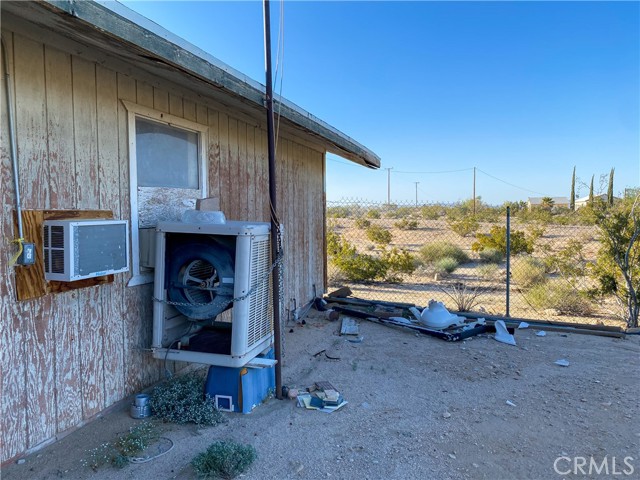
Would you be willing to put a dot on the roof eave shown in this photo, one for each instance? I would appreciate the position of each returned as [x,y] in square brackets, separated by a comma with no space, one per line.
[128,27]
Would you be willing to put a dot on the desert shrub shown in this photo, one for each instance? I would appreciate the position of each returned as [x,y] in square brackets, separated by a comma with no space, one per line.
[497,238]
[464,298]
[406,224]
[569,261]
[181,399]
[338,212]
[491,255]
[224,459]
[446,265]
[361,267]
[528,271]
[379,235]
[432,252]
[463,226]
[399,262]
[355,266]
[373,213]
[362,223]
[617,265]
[431,212]
[489,271]
[536,231]
[119,452]
[560,296]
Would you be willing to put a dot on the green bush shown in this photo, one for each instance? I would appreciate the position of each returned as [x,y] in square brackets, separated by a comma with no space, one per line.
[399,262]
[491,255]
[559,295]
[528,271]
[181,399]
[406,224]
[373,213]
[362,223]
[379,235]
[497,238]
[431,212]
[224,460]
[464,226]
[446,264]
[569,261]
[536,231]
[338,212]
[119,453]
[362,267]
[489,271]
[432,252]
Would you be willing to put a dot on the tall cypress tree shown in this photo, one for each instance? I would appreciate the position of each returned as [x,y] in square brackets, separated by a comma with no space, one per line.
[610,189]
[572,198]
[591,191]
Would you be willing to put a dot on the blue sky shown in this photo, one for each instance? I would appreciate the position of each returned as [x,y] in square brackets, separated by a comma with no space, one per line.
[521,90]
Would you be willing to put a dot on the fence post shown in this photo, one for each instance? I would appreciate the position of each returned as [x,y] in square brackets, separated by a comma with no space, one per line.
[508,259]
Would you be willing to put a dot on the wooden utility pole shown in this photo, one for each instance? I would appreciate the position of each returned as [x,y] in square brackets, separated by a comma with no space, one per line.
[272,197]
[388,185]
[474,191]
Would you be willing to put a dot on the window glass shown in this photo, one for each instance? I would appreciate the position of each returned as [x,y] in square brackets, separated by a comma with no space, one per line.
[166,156]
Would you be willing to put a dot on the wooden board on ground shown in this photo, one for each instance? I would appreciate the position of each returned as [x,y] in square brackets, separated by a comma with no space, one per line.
[30,282]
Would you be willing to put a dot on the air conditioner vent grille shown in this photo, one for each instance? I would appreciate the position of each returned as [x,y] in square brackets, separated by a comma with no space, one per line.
[259,305]
[57,261]
[57,237]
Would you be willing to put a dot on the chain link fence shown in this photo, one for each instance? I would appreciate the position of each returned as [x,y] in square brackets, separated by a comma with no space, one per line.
[457,254]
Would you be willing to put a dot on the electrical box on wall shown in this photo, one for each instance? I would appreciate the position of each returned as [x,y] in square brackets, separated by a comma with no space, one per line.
[78,249]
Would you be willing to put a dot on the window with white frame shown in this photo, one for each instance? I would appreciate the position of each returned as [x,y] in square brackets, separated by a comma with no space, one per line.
[168,173]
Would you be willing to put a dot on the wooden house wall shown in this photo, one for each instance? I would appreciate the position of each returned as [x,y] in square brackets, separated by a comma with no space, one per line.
[66,357]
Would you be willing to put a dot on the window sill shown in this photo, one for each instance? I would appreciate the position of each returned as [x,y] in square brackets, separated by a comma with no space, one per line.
[140,279]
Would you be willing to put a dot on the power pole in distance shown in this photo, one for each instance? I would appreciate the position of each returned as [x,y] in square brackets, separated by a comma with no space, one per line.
[388,169]
[474,191]
[416,192]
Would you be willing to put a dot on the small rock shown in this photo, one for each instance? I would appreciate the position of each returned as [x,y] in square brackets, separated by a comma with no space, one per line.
[510,403]
[475,465]
[451,455]
[562,362]
[21,461]
[446,415]
[300,468]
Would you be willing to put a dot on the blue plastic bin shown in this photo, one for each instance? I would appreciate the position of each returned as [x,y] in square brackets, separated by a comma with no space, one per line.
[246,387]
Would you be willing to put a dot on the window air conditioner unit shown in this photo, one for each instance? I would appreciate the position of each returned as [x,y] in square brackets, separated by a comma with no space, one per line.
[212,293]
[78,249]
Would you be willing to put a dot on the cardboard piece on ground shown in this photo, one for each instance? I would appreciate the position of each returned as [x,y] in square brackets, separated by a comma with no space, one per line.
[349,326]
[211,204]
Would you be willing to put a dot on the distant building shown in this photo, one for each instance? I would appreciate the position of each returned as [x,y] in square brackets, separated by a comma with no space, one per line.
[584,201]
[559,202]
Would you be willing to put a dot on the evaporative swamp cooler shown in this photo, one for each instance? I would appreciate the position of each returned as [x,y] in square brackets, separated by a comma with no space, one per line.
[212,293]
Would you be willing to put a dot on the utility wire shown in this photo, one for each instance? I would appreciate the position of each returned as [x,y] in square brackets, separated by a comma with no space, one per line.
[280,65]
[430,173]
[510,184]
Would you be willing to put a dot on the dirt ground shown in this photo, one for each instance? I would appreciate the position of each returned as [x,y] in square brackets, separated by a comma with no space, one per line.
[418,408]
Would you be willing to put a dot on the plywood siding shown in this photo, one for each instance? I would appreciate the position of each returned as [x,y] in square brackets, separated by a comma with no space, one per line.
[65,357]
